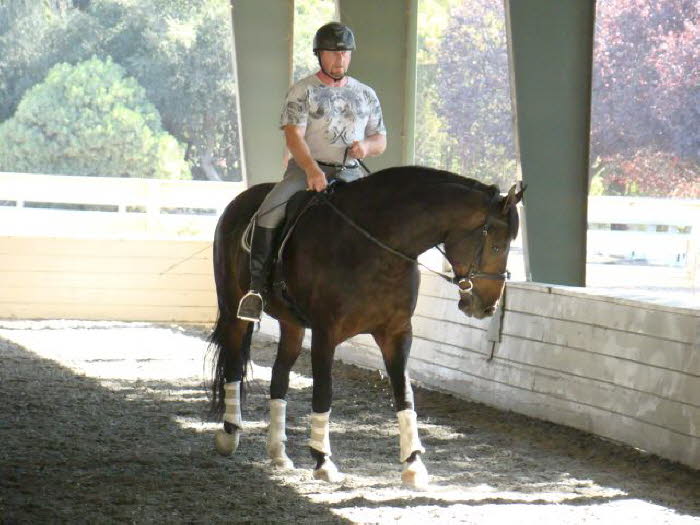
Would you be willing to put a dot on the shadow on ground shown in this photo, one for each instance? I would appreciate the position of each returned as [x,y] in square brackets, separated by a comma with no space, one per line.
[73,451]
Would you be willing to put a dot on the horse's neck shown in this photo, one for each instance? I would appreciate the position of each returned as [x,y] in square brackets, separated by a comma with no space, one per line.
[414,220]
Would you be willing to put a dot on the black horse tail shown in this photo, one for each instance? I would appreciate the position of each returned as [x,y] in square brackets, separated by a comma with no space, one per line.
[224,362]
[228,362]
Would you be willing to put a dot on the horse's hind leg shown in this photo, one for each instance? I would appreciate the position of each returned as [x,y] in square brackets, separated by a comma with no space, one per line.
[231,340]
[395,349]
[291,337]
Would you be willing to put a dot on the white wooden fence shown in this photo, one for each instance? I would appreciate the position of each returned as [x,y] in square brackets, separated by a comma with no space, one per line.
[133,208]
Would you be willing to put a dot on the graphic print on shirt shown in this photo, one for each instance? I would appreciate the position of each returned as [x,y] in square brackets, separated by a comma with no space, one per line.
[333,117]
[340,111]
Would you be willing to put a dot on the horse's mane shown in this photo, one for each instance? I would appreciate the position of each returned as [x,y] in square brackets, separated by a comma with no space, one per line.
[419,175]
[411,176]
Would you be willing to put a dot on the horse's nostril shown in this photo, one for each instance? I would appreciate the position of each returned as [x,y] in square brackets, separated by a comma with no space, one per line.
[489,310]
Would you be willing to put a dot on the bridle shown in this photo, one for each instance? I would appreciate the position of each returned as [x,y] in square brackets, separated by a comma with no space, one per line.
[464,282]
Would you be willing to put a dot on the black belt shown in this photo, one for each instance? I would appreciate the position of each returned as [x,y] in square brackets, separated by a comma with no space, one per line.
[335,165]
[343,166]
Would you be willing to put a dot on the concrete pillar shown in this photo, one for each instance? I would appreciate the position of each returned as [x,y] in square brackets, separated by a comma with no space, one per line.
[551,48]
[263,32]
[385,59]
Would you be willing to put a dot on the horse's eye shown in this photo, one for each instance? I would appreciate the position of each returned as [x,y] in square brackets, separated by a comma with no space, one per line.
[496,248]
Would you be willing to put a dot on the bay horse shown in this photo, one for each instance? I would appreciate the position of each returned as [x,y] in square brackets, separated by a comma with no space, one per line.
[350,266]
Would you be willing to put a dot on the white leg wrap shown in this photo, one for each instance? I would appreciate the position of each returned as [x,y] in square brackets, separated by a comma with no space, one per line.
[408,434]
[276,435]
[320,436]
[278,418]
[232,400]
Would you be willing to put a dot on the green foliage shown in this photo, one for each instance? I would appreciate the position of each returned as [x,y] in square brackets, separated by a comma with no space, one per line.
[597,186]
[191,49]
[89,119]
[178,50]
[434,146]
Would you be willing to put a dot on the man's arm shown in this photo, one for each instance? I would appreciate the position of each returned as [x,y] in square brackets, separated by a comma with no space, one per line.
[369,147]
[297,146]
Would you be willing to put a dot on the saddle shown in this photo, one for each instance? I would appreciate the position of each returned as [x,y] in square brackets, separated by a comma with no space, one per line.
[297,206]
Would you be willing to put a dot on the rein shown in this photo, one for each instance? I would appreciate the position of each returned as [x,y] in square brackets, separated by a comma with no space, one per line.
[464,282]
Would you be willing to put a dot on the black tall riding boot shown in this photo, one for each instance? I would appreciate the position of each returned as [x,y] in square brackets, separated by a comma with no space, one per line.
[251,306]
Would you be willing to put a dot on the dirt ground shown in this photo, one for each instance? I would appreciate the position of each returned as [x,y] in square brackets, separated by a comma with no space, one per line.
[102,423]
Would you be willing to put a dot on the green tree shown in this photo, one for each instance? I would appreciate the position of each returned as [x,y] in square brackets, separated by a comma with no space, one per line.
[178,50]
[89,119]
[181,53]
[473,91]
[434,145]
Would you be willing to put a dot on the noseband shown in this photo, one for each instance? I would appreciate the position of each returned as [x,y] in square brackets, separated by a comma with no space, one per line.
[464,282]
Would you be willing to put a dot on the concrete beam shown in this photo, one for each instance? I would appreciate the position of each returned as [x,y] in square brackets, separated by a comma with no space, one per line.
[385,60]
[263,33]
[551,48]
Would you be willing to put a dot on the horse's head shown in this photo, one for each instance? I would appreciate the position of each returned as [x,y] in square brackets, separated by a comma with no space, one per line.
[479,256]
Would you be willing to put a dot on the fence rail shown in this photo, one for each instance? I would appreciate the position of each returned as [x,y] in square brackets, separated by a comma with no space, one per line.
[140,208]
[657,231]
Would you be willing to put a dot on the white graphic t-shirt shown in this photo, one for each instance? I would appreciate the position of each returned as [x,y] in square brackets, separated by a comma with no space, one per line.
[334,117]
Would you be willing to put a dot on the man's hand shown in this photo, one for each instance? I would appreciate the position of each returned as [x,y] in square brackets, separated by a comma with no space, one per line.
[316,180]
[358,150]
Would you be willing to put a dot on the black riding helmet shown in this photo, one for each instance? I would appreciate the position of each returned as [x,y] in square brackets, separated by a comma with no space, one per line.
[333,36]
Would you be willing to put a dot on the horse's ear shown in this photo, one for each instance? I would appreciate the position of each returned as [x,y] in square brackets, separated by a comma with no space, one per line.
[515,195]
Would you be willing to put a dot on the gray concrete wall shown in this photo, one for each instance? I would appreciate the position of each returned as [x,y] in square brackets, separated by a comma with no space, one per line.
[622,369]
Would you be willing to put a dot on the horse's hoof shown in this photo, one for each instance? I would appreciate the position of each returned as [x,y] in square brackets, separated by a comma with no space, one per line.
[282,463]
[328,472]
[225,443]
[278,457]
[415,475]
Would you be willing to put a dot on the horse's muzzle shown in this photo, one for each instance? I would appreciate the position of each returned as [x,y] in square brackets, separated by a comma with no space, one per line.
[472,306]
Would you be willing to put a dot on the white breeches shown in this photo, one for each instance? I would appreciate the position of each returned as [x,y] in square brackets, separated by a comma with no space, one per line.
[408,434]
[320,436]
[232,401]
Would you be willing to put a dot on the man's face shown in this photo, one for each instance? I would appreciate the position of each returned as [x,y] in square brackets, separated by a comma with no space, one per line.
[335,63]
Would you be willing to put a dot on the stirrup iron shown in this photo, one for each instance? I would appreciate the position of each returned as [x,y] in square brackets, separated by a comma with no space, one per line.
[250,312]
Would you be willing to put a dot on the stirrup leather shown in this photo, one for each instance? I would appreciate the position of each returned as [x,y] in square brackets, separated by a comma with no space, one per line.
[250,307]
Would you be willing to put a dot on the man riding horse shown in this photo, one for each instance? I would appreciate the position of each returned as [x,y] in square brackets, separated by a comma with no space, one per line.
[326,117]
[368,234]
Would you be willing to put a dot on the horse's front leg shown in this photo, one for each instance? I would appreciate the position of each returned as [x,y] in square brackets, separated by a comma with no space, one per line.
[395,349]
[291,337]
[322,350]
